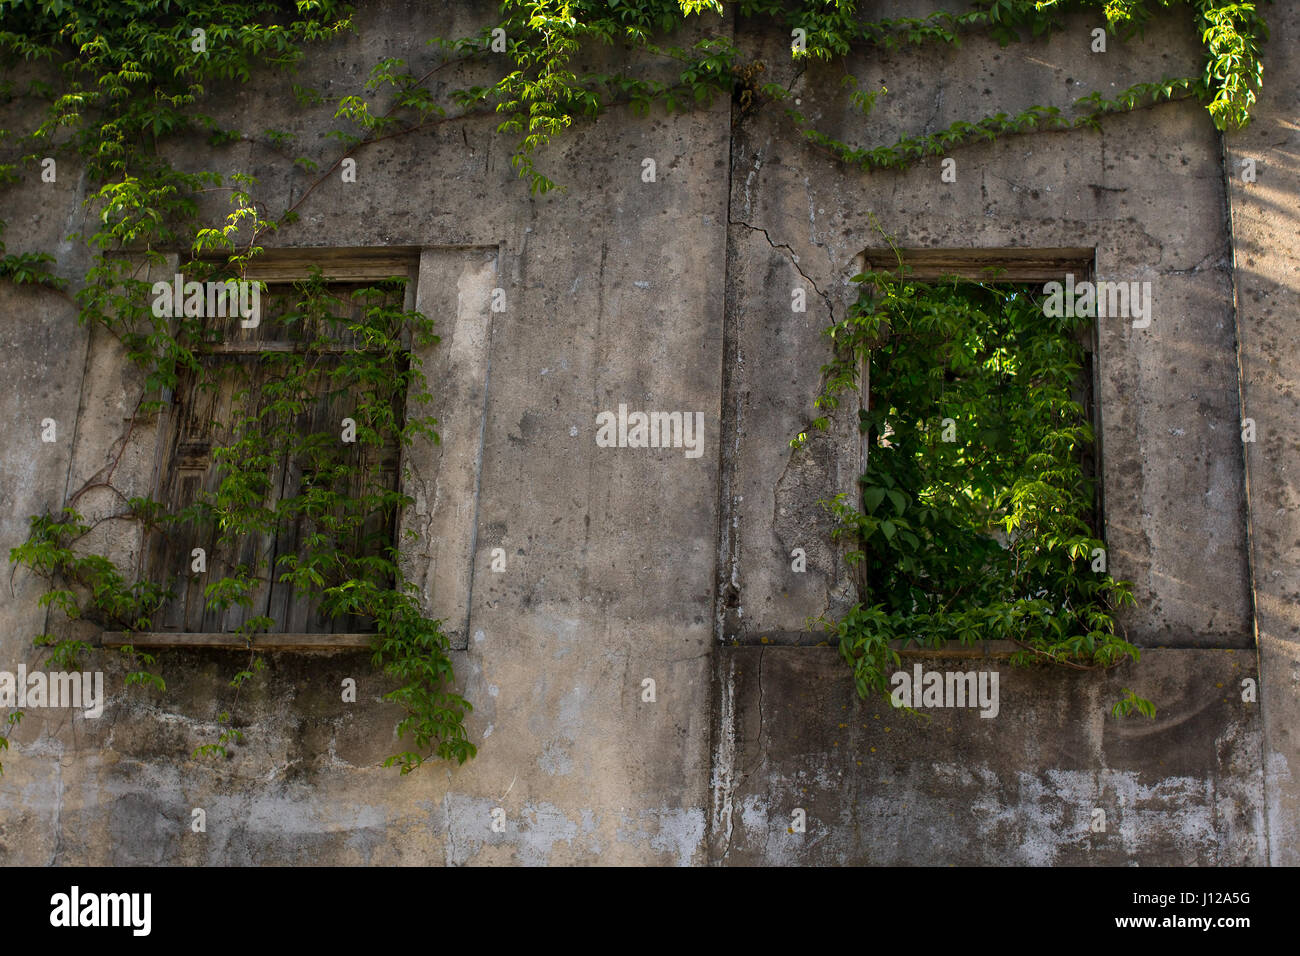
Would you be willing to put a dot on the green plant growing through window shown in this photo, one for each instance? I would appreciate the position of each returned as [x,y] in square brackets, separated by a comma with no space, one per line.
[975,515]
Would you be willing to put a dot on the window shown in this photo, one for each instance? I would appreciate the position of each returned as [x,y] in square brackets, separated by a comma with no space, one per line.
[977,440]
[279,465]
[977,516]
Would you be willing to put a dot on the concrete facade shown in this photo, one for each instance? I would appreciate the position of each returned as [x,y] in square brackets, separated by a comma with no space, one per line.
[625,564]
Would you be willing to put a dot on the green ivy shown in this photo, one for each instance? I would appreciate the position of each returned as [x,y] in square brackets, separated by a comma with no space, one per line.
[974,519]
[542,92]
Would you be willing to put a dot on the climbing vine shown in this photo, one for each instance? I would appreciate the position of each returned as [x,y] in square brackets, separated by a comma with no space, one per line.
[975,517]
[116,87]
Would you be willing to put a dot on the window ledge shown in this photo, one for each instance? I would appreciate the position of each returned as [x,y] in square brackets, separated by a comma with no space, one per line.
[236,642]
[953,649]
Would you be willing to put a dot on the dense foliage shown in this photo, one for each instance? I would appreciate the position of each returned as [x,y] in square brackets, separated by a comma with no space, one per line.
[975,516]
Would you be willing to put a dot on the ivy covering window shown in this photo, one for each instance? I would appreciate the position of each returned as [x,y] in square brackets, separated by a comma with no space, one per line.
[282,465]
[975,518]
[278,495]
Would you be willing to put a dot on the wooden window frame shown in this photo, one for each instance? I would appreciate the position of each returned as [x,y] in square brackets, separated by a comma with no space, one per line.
[277,267]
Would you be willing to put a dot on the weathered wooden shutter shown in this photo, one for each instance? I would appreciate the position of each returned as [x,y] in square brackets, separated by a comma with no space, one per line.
[301,613]
[203,418]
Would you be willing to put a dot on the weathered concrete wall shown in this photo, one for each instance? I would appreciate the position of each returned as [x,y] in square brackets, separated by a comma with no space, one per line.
[880,786]
[627,564]
[1268,297]
[610,554]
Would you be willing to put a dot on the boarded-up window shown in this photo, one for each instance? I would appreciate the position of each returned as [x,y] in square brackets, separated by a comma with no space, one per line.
[258,466]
